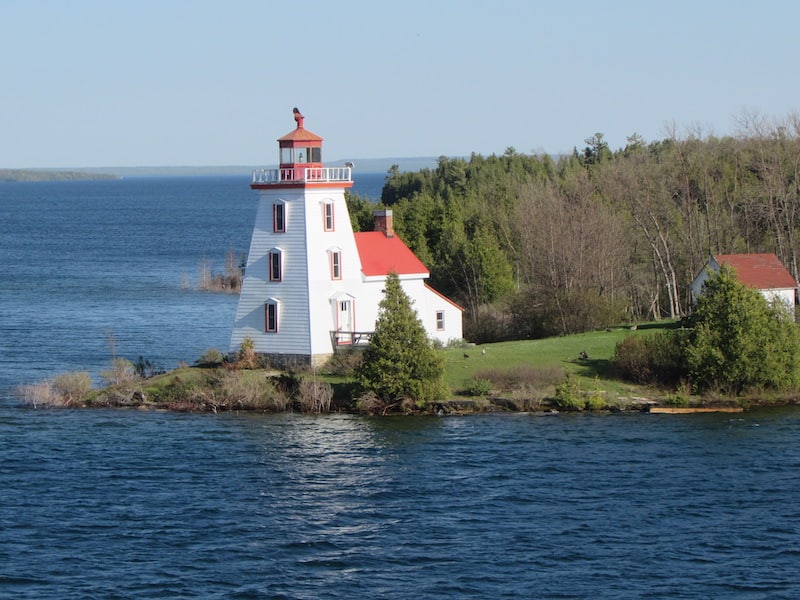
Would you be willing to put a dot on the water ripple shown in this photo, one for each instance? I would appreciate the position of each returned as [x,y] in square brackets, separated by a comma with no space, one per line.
[104,504]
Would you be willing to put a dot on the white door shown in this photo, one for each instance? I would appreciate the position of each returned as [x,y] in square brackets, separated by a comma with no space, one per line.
[344,322]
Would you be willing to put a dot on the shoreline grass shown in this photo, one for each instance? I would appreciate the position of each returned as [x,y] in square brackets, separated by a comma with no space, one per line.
[568,372]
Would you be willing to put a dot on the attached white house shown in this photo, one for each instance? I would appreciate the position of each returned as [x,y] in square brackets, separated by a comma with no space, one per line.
[311,285]
[763,272]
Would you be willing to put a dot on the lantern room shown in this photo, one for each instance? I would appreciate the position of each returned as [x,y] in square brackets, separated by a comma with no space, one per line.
[300,149]
[300,162]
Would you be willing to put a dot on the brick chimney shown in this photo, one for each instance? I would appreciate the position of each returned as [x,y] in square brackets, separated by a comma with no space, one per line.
[383,222]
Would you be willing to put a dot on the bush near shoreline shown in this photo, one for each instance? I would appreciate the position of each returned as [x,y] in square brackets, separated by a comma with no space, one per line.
[569,373]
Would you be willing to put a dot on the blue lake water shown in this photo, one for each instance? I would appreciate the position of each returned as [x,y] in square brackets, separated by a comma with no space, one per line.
[132,504]
[91,269]
[128,504]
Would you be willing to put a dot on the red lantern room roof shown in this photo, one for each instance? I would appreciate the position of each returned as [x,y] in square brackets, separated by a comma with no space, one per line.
[300,135]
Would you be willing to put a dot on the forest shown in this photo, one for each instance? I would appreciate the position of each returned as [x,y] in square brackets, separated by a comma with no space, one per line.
[534,246]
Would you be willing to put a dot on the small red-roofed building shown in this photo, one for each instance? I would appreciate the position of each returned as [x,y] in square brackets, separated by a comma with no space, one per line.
[763,272]
[311,285]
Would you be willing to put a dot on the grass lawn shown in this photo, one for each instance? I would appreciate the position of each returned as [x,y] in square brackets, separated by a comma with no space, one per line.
[562,352]
[560,355]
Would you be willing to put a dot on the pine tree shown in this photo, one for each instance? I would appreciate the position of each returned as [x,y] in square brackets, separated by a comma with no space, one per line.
[400,362]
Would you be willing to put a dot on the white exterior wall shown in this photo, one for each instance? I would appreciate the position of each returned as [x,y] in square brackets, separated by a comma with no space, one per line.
[427,302]
[697,285]
[424,301]
[453,323]
[325,292]
[292,292]
[784,296]
[307,294]
[308,297]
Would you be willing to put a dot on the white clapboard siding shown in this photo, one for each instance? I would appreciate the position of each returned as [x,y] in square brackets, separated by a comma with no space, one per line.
[324,291]
[292,292]
[308,296]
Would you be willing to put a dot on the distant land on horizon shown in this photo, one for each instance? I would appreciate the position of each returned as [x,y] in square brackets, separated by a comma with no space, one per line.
[364,165]
[52,175]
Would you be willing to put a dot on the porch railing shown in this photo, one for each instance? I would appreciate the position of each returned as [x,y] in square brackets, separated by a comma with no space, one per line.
[344,339]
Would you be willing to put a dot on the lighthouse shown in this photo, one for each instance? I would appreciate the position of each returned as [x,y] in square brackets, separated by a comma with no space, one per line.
[302,256]
[311,285]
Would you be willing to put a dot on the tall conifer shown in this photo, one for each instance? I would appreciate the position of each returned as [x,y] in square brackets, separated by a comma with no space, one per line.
[400,362]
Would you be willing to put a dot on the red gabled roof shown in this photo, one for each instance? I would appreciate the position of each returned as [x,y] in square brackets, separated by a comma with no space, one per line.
[761,271]
[381,255]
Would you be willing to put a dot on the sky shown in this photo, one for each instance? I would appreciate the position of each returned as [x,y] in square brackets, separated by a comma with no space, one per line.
[170,82]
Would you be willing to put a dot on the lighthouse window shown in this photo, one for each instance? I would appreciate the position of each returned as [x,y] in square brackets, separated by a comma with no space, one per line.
[439,320]
[271,317]
[279,217]
[275,265]
[328,216]
[301,155]
[336,264]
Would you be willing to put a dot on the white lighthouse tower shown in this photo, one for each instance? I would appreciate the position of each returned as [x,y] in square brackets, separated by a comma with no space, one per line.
[311,284]
[303,257]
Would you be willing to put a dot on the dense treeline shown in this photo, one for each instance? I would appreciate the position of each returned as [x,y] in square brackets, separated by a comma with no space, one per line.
[532,246]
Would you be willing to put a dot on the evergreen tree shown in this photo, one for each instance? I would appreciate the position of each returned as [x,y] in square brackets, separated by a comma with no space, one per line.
[738,340]
[400,361]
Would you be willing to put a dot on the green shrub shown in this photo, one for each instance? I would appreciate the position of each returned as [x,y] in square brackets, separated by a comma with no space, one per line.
[651,359]
[676,399]
[568,395]
[287,383]
[146,368]
[246,357]
[479,386]
[738,341]
[344,362]
[211,358]
[595,401]
[177,390]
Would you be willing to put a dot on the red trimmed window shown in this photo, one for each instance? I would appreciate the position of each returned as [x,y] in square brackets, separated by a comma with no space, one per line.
[336,264]
[328,216]
[275,265]
[271,317]
[279,217]
[439,320]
